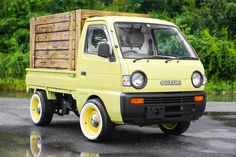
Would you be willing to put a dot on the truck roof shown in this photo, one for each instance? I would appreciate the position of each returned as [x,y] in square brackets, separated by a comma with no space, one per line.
[113,19]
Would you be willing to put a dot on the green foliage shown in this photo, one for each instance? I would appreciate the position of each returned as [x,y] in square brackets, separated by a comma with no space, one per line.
[219,86]
[12,84]
[208,24]
[217,54]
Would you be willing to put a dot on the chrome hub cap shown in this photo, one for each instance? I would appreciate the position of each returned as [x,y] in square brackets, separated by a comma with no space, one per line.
[38,108]
[95,120]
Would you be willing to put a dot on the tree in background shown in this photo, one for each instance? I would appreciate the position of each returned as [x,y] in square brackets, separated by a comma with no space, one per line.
[208,24]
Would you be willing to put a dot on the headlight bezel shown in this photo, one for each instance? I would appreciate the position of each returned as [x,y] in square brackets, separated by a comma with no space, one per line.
[144,81]
[201,81]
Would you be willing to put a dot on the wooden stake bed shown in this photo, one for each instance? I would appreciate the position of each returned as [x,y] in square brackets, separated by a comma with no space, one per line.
[54,38]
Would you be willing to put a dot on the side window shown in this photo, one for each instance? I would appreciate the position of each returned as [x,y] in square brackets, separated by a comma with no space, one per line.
[96,34]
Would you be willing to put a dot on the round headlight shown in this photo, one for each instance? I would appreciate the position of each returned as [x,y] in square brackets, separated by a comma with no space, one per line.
[138,80]
[197,79]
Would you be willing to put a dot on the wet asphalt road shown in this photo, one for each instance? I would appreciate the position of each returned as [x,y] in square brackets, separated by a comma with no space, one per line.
[213,135]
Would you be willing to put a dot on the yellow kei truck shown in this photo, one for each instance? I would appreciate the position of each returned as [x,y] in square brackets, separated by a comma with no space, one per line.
[113,68]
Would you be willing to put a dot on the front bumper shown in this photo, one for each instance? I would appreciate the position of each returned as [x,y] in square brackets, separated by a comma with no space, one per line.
[159,108]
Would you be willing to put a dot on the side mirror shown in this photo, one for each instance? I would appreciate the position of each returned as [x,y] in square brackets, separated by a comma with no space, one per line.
[104,50]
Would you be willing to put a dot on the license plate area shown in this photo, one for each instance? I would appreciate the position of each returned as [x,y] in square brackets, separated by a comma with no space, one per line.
[155,112]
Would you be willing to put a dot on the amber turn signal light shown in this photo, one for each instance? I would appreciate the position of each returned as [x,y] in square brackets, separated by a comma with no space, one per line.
[198,98]
[136,101]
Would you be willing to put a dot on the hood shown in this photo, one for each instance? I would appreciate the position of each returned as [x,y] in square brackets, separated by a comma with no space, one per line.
[158,70]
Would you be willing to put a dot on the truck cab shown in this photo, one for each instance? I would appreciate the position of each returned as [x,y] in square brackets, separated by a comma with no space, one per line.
[127,70]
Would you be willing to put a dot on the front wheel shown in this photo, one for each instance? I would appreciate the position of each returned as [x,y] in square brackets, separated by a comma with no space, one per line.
[95,122]
[174,128]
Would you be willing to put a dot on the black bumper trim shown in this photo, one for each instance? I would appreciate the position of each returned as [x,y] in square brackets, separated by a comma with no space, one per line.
[163,107]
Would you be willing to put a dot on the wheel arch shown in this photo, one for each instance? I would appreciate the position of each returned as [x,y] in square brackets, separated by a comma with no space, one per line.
[100,99]
[49,94]
[110,100]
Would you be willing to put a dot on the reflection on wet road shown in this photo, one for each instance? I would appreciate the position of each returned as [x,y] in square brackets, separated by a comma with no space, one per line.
[228,118]
[210,136]
[37,148]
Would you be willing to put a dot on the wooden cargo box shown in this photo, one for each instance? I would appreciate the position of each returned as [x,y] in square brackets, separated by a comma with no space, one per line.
[54,38]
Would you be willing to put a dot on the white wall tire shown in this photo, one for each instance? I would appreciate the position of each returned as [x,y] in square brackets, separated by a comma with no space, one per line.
[41,111]
[94,121]
[89,130]
[35,108]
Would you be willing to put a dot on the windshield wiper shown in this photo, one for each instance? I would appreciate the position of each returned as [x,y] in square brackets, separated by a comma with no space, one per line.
[180,57]
[188,57]
[172,58]
[152,57]
[169,58]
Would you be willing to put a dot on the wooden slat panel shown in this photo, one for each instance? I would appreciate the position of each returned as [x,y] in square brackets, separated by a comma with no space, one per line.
[89,13]
[51,63]
[54,18]
[64,26]
[32,42]
[53,36]
[52,45]
[60,54]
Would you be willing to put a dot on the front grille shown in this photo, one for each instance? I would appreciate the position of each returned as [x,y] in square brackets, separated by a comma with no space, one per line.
[166,100]
[171,107]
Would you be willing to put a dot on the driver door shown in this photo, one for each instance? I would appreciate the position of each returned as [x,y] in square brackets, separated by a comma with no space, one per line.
[98,74]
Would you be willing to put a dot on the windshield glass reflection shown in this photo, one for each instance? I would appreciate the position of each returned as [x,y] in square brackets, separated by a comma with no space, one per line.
[141,40]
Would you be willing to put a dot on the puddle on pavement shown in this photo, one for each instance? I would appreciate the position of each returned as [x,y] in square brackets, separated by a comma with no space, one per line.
[34,146]
[228,118]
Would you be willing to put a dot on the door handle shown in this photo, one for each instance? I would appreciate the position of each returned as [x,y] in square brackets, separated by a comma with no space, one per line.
[83,73]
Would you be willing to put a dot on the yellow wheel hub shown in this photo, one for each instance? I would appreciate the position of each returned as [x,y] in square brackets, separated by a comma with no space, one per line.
[35,108]
[169,126]
[35,144]
[91,121]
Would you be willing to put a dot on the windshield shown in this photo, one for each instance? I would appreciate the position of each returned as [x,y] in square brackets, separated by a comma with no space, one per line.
[141,40]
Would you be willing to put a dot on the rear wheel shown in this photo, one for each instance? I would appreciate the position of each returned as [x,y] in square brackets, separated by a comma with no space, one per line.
[41,110]
[174,128]
[95,122]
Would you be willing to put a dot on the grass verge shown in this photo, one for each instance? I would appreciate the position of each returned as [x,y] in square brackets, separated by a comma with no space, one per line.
[12,84]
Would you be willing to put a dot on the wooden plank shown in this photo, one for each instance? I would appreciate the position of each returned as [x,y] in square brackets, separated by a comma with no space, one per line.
[71,43]
[32,42]
[54,54]
[54,45]
[78,29]
[53,18]
[55,27]
[88,13]
[54,36]
[51,63]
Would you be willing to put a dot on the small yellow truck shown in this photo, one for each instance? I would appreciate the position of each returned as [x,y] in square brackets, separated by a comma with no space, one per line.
[113,68]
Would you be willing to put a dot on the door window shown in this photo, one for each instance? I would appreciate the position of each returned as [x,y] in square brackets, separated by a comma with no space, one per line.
[96,34]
